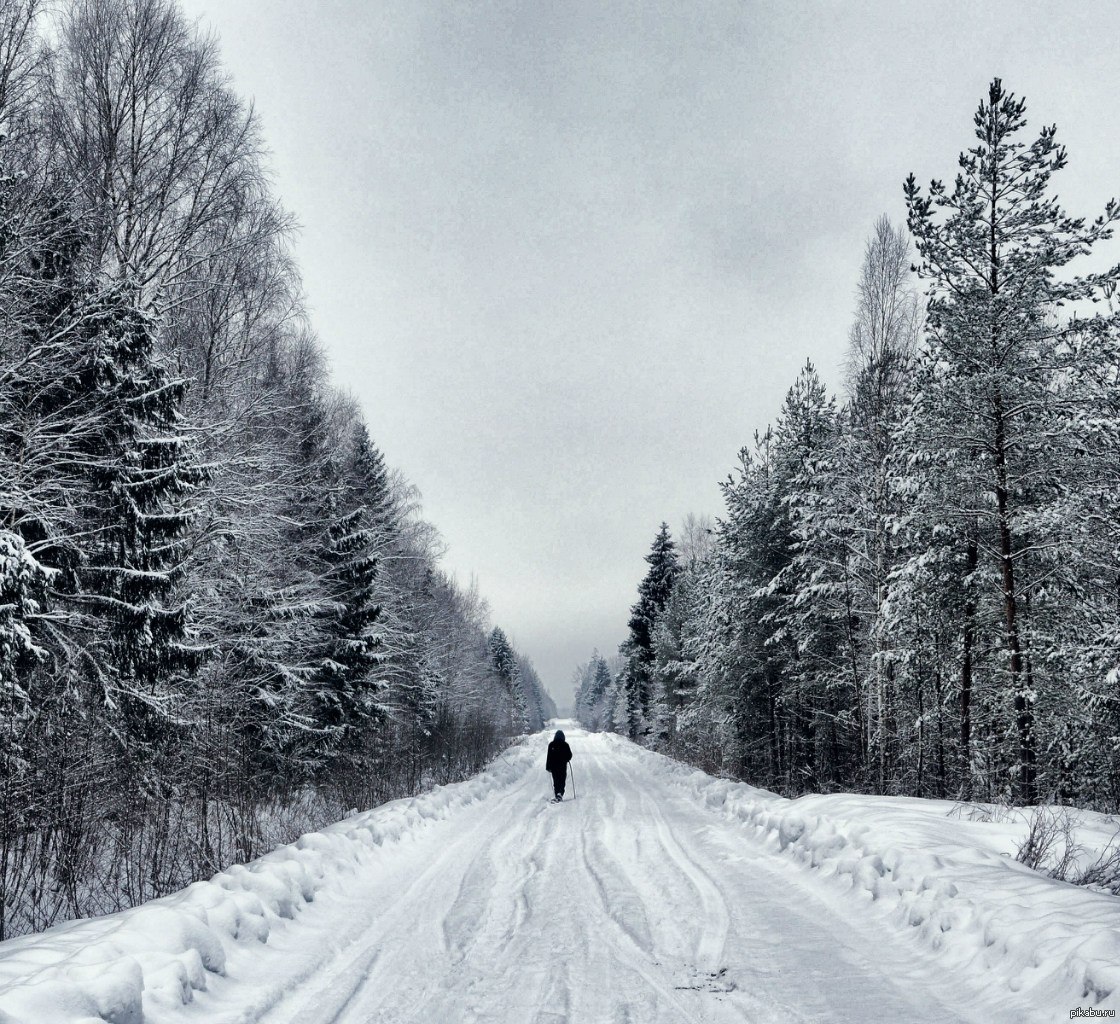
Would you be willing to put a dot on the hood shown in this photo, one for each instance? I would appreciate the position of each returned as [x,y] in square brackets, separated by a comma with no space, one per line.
[559,736]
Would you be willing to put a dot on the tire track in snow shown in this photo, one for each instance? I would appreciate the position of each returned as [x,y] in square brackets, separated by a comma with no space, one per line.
[490,905]
[471,902]
[528,866]
[714,920]
[481,882]
[624,910]
[633,951]
[326,992]
[478,925]
[615,907]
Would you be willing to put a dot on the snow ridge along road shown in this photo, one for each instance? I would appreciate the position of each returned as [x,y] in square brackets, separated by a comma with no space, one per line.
[658,895]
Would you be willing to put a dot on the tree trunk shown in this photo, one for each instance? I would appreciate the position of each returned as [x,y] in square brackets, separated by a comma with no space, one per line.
[921,732]
[1024,714]
[857,690]
[772,684]
[972,557]
[938,689]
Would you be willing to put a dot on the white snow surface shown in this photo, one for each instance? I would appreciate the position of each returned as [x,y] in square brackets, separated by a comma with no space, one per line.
[656,894]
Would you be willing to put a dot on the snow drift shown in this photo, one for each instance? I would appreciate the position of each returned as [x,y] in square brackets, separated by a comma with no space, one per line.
[950,880]
[101,969]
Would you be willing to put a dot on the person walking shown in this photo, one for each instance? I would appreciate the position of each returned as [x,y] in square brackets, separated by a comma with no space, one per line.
[559,754]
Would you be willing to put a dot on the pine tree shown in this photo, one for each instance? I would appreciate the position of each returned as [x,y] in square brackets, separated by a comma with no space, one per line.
[538,706]
[814,614]
[104,417]
[581,680]
[863,505]
[98,418]
[674,669]
[48,419]
[593,694]
[626,711]
[991,248]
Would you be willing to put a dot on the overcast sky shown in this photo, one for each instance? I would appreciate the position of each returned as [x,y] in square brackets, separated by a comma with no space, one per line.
[569,255]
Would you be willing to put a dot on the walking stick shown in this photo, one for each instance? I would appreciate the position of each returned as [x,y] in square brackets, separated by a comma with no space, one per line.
[573,771]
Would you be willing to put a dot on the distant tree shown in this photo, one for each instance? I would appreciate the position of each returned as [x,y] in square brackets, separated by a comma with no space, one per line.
[504,662]
[653,594]
[348,692]
[677,635]
[538,704]
[626,708]
[601,683]
[593,694]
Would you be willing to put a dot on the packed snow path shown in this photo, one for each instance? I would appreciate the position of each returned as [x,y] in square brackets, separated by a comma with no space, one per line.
[629,903]
[659,894]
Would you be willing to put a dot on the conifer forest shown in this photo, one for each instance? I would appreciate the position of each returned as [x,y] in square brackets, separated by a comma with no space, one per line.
[222,616]
[914,586]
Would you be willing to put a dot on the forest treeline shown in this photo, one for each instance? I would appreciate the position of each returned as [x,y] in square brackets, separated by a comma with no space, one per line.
[914,588]
[222,618]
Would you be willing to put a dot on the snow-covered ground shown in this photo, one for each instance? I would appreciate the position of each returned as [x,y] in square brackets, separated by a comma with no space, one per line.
[658,894]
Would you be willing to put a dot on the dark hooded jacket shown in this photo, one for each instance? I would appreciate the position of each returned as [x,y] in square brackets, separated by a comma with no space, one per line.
[559,754]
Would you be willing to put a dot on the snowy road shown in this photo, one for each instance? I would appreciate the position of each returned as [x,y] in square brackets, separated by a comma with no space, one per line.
[630,903]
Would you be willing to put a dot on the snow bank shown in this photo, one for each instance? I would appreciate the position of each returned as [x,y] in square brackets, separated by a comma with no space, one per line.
[949,881]
[102,969]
